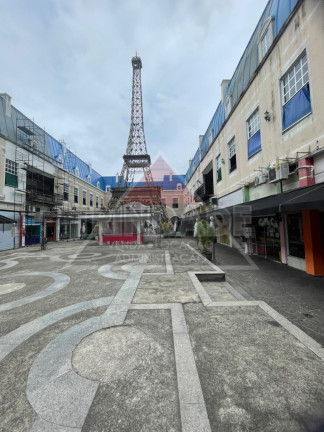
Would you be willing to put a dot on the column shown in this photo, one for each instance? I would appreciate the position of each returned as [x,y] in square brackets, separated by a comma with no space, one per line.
[58,220]
[100,236]
[138,226]
[283,239]
[313,242]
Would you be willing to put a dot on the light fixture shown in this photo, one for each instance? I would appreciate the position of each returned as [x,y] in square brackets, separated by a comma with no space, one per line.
[266,116]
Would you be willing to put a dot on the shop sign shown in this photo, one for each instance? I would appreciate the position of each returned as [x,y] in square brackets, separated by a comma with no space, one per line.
[50,219]
[231,199]
[262,191]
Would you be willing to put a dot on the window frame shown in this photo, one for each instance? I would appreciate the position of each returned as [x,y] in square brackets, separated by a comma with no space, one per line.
[91,199]
[66,192]
[76,172]
[218,168]
[84,197]
[11,173]
[210,136]
[267,30]
[286,74]
[76,195]
[97,201]
[252,130]
[298,104]
[175,202]
[228,106]
[230,146]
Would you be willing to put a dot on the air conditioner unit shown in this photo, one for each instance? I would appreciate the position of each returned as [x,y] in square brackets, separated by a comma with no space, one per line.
[281,173]
[260,179]
[213,202]
[29,208]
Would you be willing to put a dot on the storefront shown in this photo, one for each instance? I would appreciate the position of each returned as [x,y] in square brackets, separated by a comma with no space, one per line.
[124,228]
[50,232]
[10,237]
[267,237]
[290,226]
[65,229]
[33,230]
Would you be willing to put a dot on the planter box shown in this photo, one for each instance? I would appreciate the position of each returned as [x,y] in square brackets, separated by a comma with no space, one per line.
[207,255]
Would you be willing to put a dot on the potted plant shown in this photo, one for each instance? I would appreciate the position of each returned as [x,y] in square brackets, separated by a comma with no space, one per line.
[206,235]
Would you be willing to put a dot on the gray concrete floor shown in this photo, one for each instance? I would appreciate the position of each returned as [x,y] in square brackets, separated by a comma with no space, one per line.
[295,294]
[128,339]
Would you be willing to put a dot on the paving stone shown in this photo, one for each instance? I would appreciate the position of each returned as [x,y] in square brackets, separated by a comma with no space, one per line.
[165,288]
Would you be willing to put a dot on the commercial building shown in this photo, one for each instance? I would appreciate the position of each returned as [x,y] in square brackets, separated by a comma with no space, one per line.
[46,190]
[259,167]
[44,187]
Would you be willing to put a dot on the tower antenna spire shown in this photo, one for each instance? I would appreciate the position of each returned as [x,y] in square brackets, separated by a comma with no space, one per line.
[136,158]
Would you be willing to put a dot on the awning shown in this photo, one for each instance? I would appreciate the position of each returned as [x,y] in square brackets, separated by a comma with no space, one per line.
[5,220]
[304,198]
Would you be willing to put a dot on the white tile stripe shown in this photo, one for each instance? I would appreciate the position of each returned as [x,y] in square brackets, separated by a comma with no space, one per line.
[309,342]
[60,282]
[193,410]
[12,340]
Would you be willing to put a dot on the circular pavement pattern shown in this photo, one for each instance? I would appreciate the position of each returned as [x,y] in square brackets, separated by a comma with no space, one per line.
[10,287]
[98,357]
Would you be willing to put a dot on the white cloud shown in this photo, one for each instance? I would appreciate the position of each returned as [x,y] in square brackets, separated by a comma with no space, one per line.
[68,66]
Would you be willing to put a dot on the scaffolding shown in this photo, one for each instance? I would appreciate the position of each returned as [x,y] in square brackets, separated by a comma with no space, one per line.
[36,184]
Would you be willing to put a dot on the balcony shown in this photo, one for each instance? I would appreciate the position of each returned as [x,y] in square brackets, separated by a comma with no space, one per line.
[200,194]
[42,198]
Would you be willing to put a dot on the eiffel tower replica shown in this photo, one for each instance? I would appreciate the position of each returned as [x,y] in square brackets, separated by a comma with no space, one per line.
[136,158]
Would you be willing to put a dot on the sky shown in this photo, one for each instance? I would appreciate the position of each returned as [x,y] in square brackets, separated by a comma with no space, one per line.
[67,66]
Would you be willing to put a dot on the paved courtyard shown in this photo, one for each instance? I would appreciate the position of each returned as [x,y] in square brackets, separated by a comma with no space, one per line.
[140,338]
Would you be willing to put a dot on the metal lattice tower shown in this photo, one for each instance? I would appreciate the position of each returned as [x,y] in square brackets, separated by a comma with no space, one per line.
[136,158]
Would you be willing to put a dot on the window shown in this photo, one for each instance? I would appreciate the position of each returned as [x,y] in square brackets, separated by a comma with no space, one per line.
[265,43]
[98,184]
[66,191]
[253,133]
[219,168]
[97,202]
[11,173]
[266,38]
[101,202]
[295,235]
[89,179]
[210,136]
[91,200]
[76,195]
[76,171]
[175,202]
[232,155]
[295,93]
[228,106]
[84,197]
[108,188]
[179,186]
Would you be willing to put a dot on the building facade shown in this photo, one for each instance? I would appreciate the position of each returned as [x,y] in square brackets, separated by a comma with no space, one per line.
[259,167]
[48,191]
[44,187]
